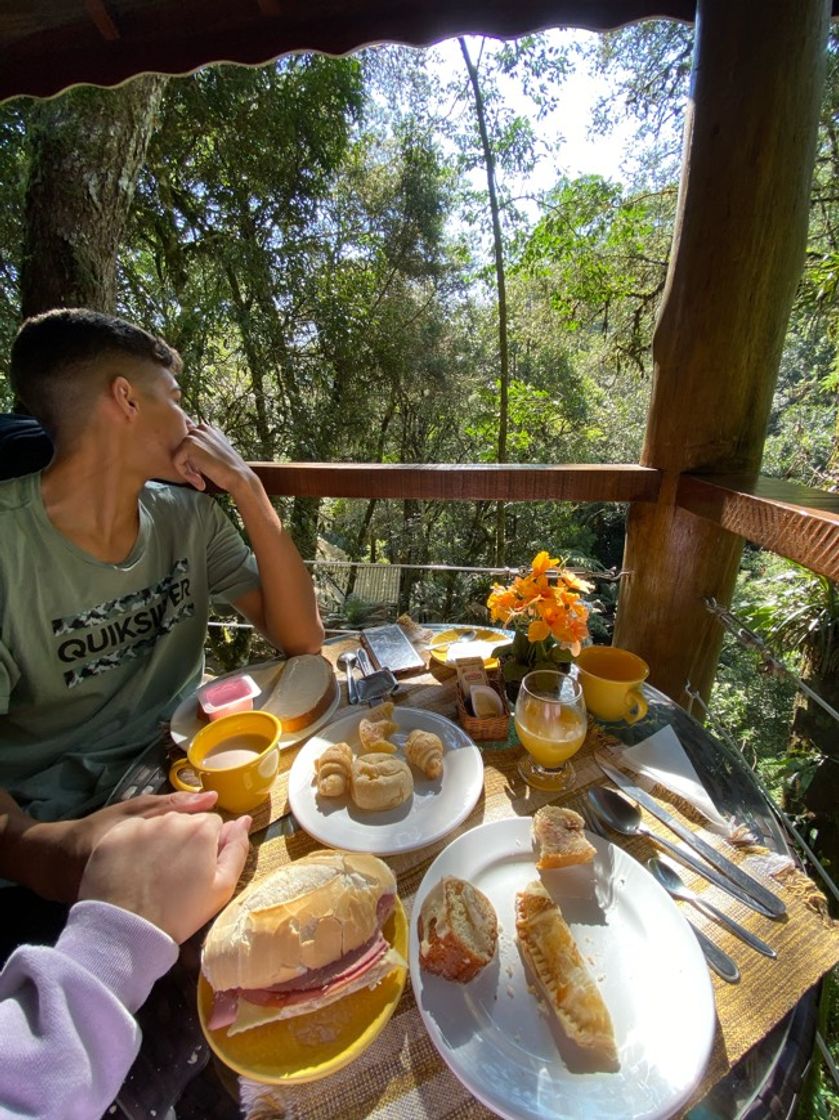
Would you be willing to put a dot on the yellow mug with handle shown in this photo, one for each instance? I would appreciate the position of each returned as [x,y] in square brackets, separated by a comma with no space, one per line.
[611,680]
[237,756]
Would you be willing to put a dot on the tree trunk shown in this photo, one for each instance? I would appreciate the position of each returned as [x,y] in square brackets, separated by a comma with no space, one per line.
[750,139]
[501,288]
[88,146]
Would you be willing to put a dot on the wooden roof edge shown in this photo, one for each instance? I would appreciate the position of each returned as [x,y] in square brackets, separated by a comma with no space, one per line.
[792,520]
[178,38]
[574,482]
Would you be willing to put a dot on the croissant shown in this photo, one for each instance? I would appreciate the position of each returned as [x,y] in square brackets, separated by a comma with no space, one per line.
[424,750]
[334,770]
[371,732]
[381,711]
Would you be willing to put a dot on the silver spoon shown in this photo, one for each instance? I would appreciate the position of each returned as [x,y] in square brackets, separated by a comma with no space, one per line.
[625,818]
[347,660]
[672,882]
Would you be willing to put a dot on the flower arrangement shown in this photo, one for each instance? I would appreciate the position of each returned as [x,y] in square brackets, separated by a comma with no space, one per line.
[544,607]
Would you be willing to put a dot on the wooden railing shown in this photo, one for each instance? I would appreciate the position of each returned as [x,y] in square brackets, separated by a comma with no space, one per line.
[794,521]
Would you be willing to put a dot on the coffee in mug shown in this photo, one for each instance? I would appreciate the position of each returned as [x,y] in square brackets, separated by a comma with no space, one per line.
[237,756]
[611,678]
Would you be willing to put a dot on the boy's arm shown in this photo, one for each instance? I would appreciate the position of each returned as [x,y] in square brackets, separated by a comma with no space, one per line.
[283,607]
[50,856]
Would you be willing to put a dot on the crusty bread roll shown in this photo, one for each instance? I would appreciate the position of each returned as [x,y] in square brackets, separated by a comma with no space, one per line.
[458,930]
[424,750]
[334,770]
[560,837]
[549,948]
[306,688]
[304,916]
[380,781]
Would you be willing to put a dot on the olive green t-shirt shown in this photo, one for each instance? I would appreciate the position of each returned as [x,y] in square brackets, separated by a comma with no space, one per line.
[93,655]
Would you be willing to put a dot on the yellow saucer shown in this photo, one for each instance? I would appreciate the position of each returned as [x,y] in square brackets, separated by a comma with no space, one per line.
[440,649]
[308,1047]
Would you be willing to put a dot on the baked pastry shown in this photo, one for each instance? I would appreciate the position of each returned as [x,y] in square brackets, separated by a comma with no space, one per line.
[559,835]
[458,930]
[381,711]
[305,689]
[548,946]
[372,731]
[380,781]
[424,750]
[334,770]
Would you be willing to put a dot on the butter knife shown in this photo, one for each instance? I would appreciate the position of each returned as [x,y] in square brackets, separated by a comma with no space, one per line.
[772,904]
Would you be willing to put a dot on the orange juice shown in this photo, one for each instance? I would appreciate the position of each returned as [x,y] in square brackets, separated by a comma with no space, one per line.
[552,741]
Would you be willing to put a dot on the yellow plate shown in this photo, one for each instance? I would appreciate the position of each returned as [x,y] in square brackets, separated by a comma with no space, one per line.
[439,650]
[308,1047]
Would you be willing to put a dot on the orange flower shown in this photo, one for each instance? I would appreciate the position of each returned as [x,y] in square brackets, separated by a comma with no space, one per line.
[550,604]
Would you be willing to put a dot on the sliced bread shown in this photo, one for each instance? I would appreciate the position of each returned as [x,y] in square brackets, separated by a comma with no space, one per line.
[458,930]
[306,688]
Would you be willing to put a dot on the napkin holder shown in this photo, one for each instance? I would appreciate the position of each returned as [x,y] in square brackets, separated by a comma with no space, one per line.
[491,727]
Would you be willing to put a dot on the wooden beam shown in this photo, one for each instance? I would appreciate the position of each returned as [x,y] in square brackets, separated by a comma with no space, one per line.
[462,481]
[101,17]
[738,249]
[795,521]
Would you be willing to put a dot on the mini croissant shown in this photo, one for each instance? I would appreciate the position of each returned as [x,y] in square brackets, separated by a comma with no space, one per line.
[334,770]
[424,750]
[371,732]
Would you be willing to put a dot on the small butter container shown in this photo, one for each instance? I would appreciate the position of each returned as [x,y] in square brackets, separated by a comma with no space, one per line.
[494,727]
[227,696]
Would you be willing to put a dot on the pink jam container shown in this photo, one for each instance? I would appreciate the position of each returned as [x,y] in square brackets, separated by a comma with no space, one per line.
[227,696]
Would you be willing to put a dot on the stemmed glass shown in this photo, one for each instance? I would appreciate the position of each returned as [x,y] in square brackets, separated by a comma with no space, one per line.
[551,722]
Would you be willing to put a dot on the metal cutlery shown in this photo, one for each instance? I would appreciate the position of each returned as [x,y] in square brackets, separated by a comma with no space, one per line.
[774,906]
[724,965]
[347,660]
[673,883]
[625,818]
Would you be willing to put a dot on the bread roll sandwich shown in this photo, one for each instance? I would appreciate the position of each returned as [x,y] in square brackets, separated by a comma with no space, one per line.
[300,939]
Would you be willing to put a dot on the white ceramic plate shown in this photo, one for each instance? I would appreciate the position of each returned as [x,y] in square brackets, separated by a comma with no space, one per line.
[508,1050]
[186,722]
[435,808]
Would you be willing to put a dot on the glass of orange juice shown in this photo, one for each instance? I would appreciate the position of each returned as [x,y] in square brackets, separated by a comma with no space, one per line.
[551,724]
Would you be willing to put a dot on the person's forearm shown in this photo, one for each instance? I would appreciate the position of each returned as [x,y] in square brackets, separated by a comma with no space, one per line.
[291,619]
[36,854]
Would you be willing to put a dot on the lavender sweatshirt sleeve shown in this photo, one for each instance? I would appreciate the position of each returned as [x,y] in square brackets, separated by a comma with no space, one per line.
[67,1031]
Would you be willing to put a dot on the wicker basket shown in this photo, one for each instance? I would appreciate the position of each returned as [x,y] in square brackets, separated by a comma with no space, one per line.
[495,727]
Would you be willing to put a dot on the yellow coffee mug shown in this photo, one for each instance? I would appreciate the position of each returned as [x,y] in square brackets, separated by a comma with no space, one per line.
[611,680]
[237,756]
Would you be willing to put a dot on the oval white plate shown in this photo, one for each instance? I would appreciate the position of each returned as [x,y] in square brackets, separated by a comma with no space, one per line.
[508,1050]
[433,811]
[186,722]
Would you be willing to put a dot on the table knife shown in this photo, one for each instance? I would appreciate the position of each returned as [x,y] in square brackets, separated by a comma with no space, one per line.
[770,901]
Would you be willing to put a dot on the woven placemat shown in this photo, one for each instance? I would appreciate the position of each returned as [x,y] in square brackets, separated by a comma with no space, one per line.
[402,1074]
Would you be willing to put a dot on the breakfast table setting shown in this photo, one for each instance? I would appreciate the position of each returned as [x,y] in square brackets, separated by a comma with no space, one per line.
[709,995]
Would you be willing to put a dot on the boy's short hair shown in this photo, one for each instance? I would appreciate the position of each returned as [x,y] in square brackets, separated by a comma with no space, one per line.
[53,352]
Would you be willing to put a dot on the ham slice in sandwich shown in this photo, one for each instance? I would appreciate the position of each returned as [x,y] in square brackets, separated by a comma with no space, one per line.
[300,939]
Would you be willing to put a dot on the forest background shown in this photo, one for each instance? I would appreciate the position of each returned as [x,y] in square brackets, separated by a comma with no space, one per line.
[386,258]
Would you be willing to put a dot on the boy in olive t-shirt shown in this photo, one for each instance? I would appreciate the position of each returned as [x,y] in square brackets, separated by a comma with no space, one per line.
[106,580]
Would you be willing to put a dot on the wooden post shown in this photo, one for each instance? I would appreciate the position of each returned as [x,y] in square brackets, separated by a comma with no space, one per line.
[750,139]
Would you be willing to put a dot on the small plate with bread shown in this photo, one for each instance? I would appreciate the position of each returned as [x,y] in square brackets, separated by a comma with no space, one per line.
[386,780]
[301,692]
[552,973]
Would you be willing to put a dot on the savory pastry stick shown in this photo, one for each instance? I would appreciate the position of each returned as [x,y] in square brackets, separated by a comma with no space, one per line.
[549,948]
[424,750]
[334,770]
[559,835]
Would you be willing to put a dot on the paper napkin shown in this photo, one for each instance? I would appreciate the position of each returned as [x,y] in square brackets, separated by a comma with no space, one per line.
[662,758]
